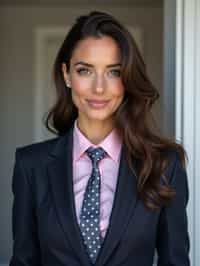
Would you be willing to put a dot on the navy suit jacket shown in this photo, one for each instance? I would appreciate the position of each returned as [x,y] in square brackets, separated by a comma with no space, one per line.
[45,228]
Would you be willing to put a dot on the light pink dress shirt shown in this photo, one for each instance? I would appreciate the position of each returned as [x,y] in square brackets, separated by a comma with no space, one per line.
[109,166]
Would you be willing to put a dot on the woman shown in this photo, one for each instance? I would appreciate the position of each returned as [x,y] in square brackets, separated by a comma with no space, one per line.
[108,190]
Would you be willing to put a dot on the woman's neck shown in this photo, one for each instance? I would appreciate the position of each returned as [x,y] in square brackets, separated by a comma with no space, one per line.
[95,131]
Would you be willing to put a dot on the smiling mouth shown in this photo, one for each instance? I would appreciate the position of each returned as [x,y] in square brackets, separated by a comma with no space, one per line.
[97,104]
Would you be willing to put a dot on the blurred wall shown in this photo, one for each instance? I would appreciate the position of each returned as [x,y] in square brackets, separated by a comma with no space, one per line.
[17,66]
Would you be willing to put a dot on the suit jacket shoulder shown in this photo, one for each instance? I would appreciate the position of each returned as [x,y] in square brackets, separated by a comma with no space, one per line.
[36,152]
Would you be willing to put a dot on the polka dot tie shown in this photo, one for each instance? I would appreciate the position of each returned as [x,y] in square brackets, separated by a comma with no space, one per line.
[90,212]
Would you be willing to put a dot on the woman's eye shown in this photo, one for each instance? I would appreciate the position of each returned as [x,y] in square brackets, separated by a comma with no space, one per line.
[115,72]
[83,71]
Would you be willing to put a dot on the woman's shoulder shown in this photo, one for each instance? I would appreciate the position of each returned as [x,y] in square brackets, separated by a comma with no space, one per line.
[39,146]
[176,163]
[177,156]
[36,152]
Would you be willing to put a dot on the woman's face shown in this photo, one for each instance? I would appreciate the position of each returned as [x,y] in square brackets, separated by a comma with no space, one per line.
[95,79]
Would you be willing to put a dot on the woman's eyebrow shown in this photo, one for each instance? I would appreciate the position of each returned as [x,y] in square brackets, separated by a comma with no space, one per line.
[90,65]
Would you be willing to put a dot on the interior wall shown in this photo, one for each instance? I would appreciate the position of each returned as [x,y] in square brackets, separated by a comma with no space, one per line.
[17,66]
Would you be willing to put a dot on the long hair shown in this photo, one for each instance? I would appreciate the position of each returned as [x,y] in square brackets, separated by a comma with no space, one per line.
[149,150]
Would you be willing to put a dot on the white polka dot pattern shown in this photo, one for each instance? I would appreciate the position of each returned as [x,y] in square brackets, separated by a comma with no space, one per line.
[90,211]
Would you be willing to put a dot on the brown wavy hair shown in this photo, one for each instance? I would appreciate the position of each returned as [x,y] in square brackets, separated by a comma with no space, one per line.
[134,119]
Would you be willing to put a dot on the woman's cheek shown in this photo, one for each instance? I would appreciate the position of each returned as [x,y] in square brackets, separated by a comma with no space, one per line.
[118,91]
[81,85]
[78,96]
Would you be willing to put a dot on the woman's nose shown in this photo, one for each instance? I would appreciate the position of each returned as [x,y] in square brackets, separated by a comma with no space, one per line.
[99,84]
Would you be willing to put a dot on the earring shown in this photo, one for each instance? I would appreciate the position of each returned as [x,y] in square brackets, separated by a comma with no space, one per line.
[67,84]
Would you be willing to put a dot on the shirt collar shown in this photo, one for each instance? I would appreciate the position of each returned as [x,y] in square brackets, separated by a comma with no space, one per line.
[111,144]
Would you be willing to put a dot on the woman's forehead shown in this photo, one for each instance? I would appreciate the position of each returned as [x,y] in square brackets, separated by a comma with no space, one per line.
[104,49]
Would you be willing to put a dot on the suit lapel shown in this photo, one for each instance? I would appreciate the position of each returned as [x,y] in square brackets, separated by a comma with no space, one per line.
[60,175]
[123,208]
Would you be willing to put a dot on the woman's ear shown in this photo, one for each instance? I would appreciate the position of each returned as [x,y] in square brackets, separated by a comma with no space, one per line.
[66,75]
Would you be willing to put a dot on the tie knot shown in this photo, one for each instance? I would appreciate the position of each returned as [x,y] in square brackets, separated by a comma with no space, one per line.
[96,154]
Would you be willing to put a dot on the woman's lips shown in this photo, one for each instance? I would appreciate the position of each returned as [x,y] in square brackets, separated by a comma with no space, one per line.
[97,104]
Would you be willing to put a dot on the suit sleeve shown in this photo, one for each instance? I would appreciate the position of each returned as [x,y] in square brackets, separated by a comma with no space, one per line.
[172,236]
[26,251]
